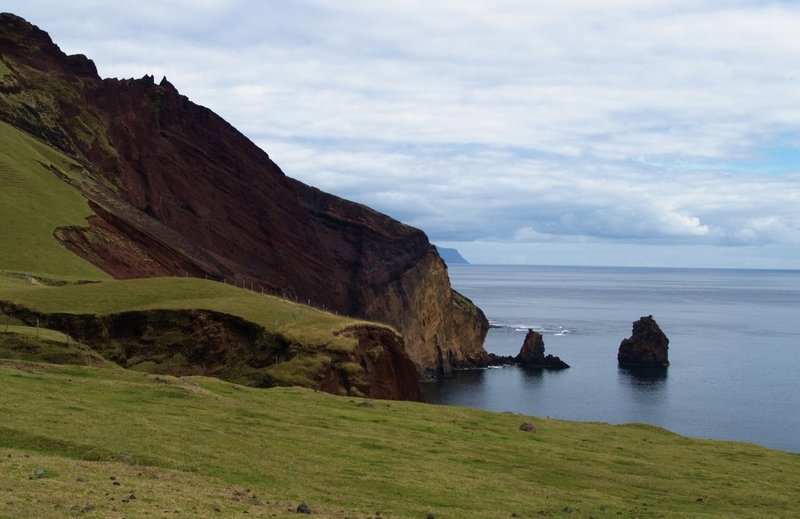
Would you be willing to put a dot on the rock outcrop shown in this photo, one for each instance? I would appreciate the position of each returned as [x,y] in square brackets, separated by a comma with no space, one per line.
[647,346]
[532,353]
[176,190]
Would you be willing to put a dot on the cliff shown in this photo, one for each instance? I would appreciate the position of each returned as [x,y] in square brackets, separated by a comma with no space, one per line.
[176,190]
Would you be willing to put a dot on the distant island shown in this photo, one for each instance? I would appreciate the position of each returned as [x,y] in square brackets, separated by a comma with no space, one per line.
[451,256]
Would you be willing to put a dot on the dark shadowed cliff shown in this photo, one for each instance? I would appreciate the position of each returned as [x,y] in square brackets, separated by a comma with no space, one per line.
[178,191]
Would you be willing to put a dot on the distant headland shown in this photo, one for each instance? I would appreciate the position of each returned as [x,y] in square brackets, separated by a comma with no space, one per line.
[451,256]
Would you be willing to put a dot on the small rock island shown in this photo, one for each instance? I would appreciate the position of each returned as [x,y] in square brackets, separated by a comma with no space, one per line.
[646,347]
[532,353]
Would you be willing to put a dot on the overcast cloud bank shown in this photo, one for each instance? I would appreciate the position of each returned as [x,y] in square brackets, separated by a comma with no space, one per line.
[622,132]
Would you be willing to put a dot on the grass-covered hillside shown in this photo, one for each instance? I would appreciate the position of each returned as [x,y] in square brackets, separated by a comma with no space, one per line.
[33,203]
[288,343]
[94,442]
[34,343]
[299,323]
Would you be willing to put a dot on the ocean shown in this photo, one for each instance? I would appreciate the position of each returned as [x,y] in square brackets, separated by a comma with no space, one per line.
[734,348]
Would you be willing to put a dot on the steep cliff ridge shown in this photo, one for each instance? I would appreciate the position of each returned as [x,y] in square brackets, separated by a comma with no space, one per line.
[177,190]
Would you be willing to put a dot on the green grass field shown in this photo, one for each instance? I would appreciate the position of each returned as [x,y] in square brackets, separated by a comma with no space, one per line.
[199,447]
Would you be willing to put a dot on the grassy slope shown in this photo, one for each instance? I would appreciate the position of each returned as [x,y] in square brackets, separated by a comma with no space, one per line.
[289,445]
[31,331]
[297,322]
[40,344]
[34,202]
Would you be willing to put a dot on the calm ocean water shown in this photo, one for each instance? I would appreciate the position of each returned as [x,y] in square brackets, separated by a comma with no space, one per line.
[734,348]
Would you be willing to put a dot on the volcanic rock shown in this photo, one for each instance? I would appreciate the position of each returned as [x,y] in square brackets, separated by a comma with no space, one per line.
[532,353]
[647,346]
[493,359]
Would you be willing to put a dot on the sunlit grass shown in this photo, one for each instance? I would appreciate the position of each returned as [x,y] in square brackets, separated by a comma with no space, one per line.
[32,343]
[33,203]
[309,326]
[404,459]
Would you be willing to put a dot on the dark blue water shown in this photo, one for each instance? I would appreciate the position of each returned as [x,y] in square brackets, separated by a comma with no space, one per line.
[734,348]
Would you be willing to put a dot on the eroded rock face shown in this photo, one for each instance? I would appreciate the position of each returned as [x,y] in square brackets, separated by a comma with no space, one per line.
[647,346]
[178,191]
[532,353]
[386,371]
[204,342]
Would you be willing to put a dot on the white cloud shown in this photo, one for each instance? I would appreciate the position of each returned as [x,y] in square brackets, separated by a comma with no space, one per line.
[629,121]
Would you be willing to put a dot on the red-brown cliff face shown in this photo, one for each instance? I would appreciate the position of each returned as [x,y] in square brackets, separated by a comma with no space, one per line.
[177,190]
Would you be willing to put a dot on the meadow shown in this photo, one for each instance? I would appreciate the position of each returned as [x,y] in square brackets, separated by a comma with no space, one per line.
[201,447]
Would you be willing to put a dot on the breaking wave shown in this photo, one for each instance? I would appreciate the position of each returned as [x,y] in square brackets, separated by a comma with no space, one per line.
[522,327]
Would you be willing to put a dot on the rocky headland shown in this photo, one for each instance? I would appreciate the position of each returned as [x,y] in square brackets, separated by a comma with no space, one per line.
[451,256]
[177,191]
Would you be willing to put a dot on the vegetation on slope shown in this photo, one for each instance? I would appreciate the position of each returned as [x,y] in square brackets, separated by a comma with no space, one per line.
[33,203]
[299,323]
[41,344]
[200,447]
[291,343]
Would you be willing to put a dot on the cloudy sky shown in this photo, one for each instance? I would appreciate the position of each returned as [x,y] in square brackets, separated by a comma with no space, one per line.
[577,132]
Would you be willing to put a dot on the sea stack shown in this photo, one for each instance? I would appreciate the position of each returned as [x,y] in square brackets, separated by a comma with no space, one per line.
[646,347]
[532,353]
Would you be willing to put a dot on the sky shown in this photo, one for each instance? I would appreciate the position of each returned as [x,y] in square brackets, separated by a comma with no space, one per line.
[624,132]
